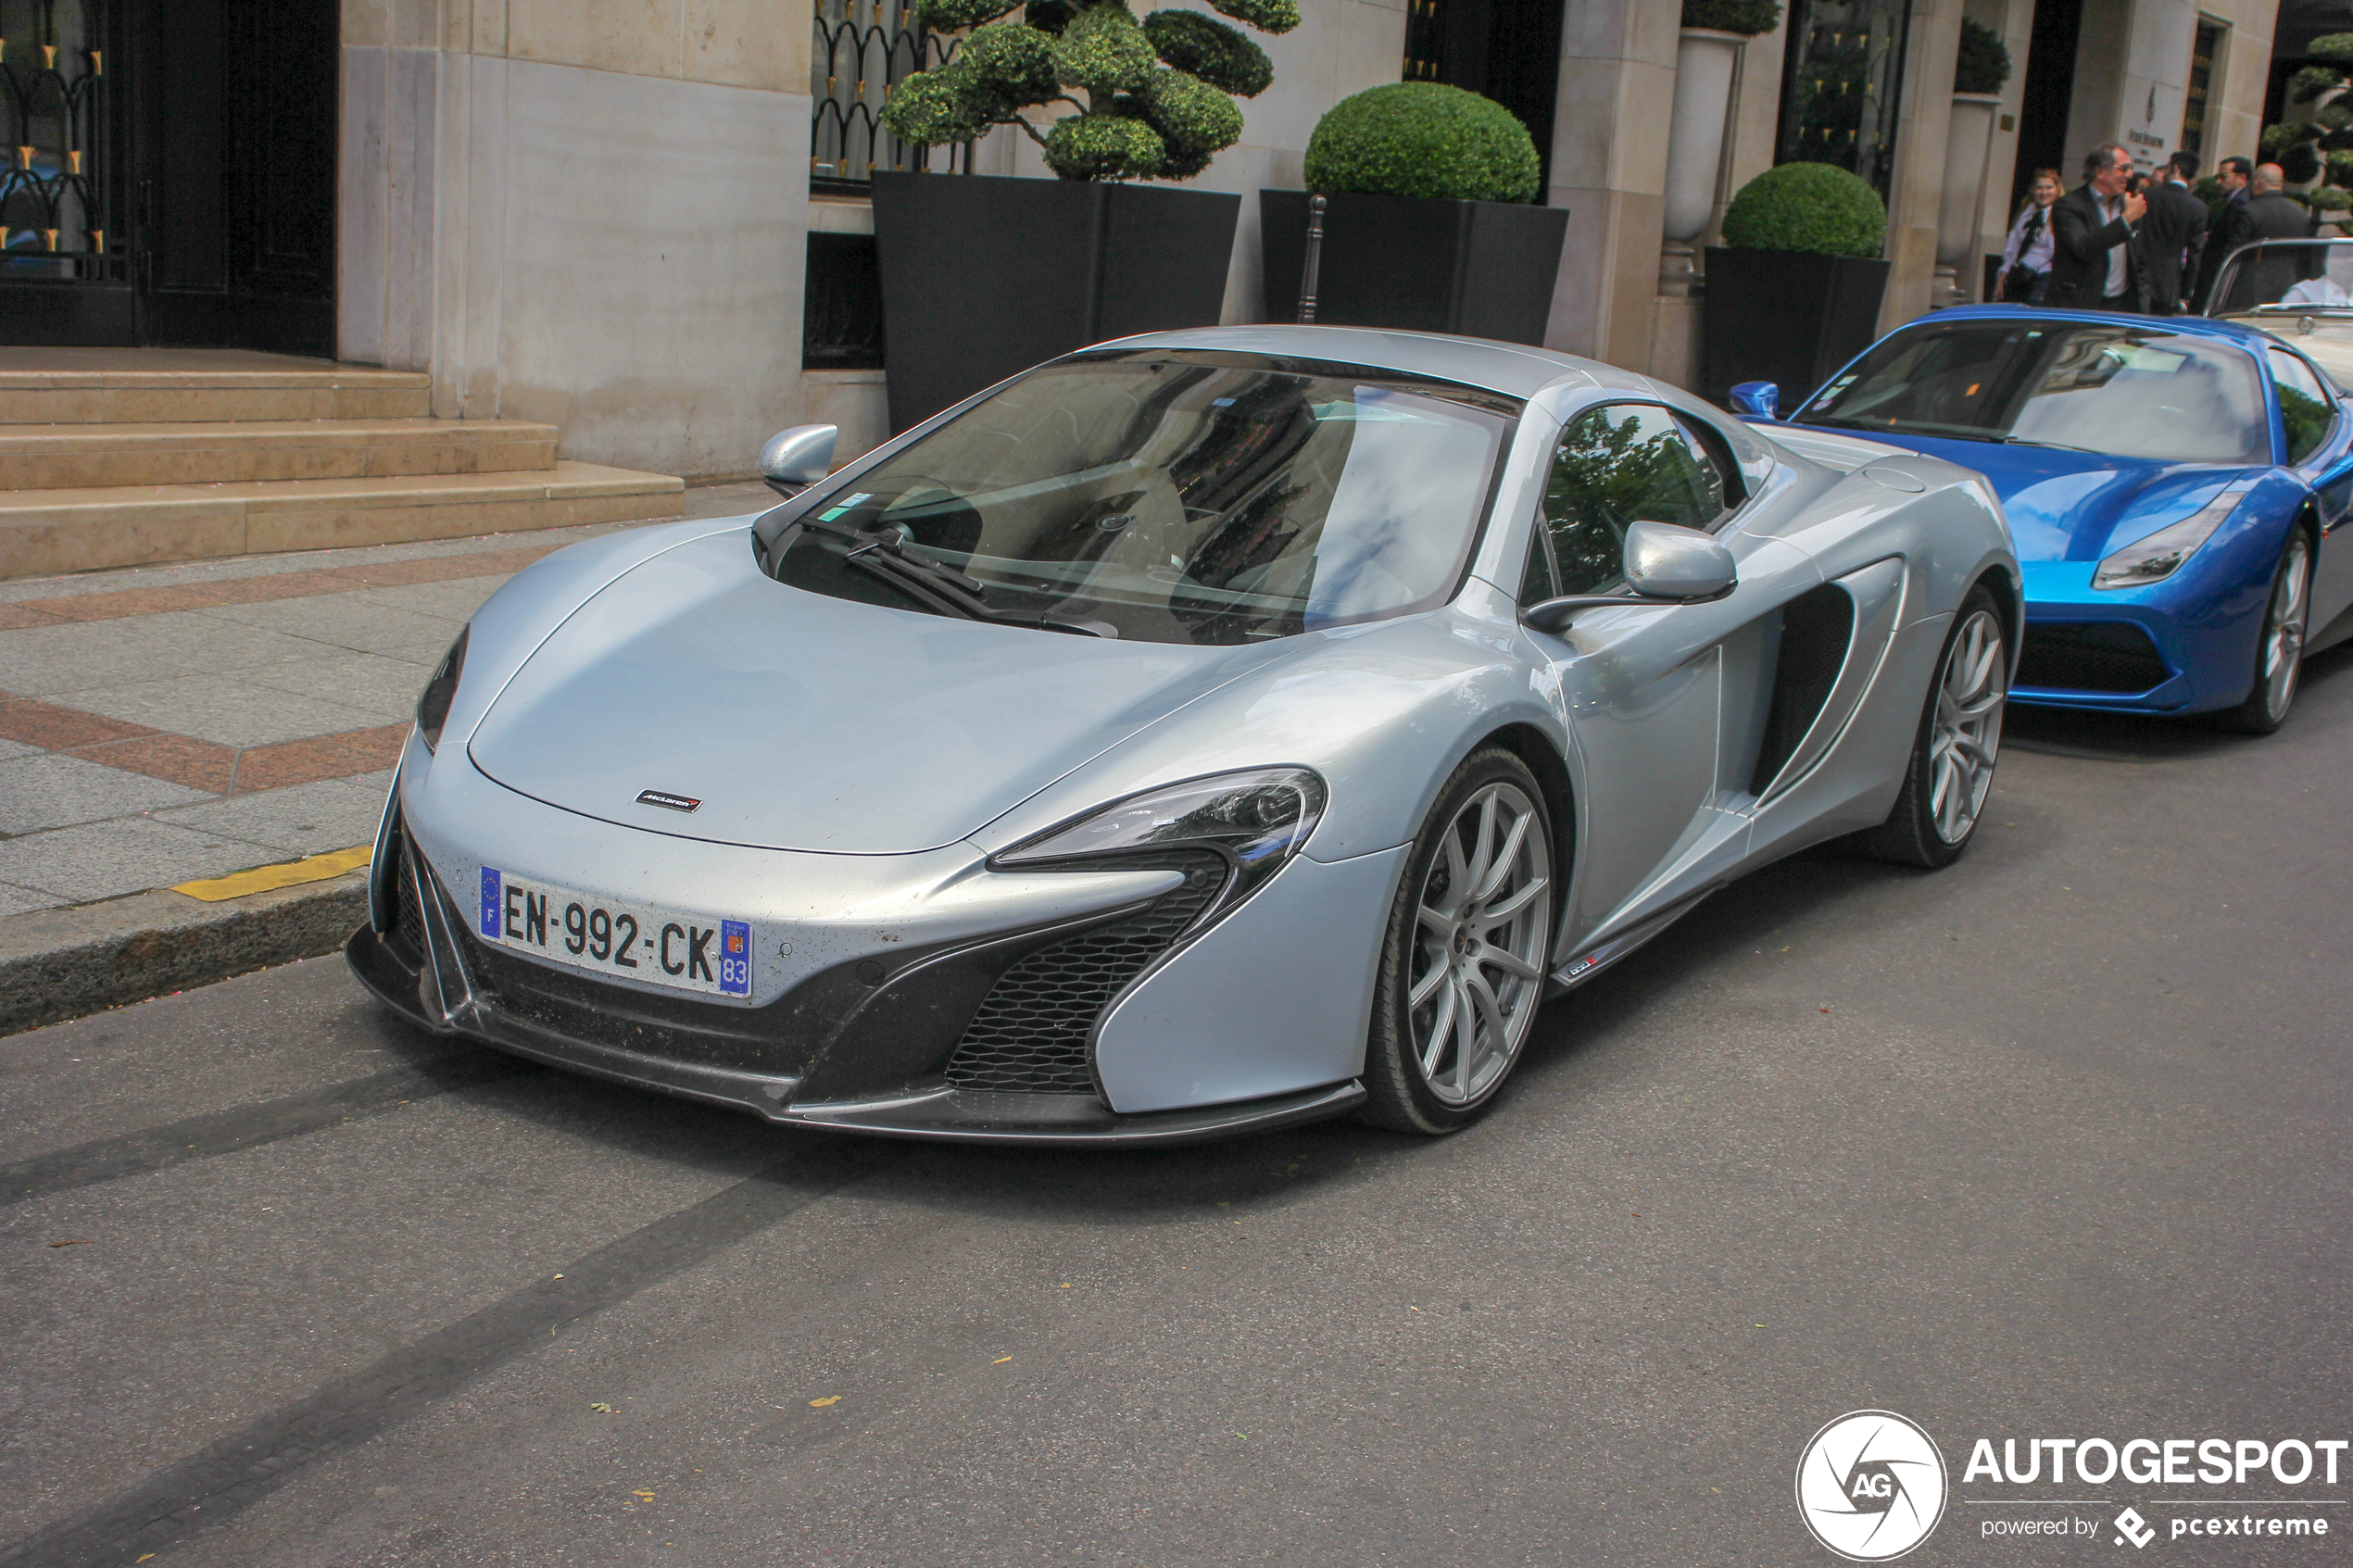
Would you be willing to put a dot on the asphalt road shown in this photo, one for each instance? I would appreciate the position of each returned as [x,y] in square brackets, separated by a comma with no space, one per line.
[2054,1143]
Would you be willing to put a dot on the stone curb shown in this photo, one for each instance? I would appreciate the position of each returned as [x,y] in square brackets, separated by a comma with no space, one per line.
[57,964]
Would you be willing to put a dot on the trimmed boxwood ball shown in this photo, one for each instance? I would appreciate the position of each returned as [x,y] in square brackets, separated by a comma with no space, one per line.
[1984,62]
[1008,64]
[1266,16]
[1207,48]
[935,107]
[1746,17]
[948,15]
[1102,50]
[1103,146]
[1422,139]
[1813,207]
[1192,119]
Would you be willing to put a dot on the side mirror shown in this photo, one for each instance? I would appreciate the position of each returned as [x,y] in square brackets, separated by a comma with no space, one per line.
[796,459]
[1665,565]
[1759,397]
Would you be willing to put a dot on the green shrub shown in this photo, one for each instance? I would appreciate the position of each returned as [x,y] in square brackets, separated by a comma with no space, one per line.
[1746,17]
[1422,139]
[1154,94]
[1984,62]
[2330,198]
[1807,207]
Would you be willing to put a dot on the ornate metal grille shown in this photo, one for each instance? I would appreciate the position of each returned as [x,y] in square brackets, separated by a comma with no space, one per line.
[862,49]
[52,209]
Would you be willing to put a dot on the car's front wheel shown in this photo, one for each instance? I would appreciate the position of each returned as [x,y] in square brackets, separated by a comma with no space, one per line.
[2279,653]
[1952,753]
[1465,958]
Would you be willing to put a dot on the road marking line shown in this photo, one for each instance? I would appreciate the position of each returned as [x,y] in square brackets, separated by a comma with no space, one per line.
[261,879]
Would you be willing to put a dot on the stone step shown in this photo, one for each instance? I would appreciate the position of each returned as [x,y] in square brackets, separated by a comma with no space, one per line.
[73,456]
[45,386]
[47,531]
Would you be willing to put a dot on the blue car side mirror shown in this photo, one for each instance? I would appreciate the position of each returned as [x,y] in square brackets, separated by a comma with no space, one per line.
[1759,397]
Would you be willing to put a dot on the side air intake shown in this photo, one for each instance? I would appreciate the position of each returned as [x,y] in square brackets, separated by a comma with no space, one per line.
[1816,628]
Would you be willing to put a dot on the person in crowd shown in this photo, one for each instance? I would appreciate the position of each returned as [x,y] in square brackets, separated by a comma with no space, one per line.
[2227,230]
[2093,225]
[2171,237]
[2026,259]
[2271,214]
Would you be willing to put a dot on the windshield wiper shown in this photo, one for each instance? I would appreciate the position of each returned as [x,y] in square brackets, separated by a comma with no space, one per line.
[2062,446]
[939,587]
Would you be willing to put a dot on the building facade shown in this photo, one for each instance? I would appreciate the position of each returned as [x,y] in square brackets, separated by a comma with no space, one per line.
[643,220]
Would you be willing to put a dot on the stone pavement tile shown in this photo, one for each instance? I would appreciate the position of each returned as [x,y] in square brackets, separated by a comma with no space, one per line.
[23,900]
[200,764]
[52,660]
[454,602]
[383,688]
[326,756]
[16,748]
[40,792]
[345,621]
[129,855]
[53,728]
[302,820]
[226,708]
[378,784]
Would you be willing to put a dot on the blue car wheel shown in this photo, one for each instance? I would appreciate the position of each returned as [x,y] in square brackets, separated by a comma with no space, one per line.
[2278,651]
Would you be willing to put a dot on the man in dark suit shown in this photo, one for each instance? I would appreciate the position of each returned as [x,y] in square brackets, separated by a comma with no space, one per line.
[2270,216]
[2092,231]
[2227,230]
[2171,237]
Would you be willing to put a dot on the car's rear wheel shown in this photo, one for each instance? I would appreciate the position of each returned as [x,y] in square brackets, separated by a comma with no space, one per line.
[1465,959]
[2279,652]
[1960,735]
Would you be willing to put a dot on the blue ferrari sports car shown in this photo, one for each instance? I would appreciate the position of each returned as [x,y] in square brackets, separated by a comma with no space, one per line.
[2177,490]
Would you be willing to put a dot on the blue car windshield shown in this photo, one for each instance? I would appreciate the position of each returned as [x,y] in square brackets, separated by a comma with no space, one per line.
[2116,388]
[1168,496]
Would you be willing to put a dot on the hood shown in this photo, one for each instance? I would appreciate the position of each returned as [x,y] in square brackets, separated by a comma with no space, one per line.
[799,722]
[2083,506]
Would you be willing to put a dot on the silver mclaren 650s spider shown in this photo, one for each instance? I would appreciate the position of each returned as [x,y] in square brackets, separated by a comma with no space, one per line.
[1206,730]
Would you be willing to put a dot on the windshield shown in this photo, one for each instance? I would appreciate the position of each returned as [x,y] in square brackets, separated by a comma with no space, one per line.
[2117,389]
[1169,497]
[2286,277]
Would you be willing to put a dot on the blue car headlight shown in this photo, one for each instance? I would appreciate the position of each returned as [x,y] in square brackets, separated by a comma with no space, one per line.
[2161,554]
[1254,820]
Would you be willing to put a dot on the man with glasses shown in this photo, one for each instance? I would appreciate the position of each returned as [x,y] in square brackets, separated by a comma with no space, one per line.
[2092,226]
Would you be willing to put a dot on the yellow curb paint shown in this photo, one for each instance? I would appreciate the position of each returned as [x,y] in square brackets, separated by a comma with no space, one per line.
[261,879]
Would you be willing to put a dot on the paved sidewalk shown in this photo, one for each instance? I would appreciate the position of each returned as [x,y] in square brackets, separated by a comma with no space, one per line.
[164,724]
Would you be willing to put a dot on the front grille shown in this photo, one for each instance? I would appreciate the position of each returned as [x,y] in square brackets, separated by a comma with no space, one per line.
[407,933]
[1030,1033]
[2101,656]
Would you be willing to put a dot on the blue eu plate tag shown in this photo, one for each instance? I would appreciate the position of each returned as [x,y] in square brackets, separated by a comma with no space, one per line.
[734,957]
[493,904]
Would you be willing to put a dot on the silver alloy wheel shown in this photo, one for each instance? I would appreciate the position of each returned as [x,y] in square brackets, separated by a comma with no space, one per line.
[2284,628]
[1966,730]
[1481,933]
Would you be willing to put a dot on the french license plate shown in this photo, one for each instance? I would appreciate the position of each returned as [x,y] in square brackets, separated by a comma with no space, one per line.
[639,941]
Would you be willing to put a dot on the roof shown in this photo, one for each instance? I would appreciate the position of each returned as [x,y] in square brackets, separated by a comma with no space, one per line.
[1515,369]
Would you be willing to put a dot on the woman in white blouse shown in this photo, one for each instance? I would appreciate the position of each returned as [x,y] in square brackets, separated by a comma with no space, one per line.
[2026,260]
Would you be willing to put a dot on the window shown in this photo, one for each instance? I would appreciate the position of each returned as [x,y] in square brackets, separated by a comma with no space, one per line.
[2306,409]
[1842,84]
[2204,53]
[1616,464]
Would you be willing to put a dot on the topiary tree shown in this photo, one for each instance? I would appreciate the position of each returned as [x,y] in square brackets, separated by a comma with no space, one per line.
[2315,142]
[1154,98]
[1807,207]
[1422,139]
[1984,62]
[1747,18]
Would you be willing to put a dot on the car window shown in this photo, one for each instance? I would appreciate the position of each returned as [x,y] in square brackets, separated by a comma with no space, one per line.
[1536,582]
[1721,476]
[2306,408]
[1619,464]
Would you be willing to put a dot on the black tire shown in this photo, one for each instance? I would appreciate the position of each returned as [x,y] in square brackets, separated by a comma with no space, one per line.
[1403,1096]
[2284,624]
[1921,830]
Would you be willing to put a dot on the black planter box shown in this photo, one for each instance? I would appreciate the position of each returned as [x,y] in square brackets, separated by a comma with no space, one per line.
[982,276]
[1416,263]
[1786,317]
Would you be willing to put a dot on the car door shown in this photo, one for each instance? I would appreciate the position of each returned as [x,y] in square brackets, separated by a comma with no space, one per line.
[1647,687]
[2319,436]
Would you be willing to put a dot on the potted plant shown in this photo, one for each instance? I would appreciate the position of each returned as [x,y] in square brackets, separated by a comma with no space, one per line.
[1714,33]
[1793,292]
[1979,71]
[983,276]
[1426,222]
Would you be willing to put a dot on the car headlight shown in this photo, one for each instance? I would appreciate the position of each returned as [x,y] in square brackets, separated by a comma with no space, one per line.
[2161,554]
[1254,821]
[433,708]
